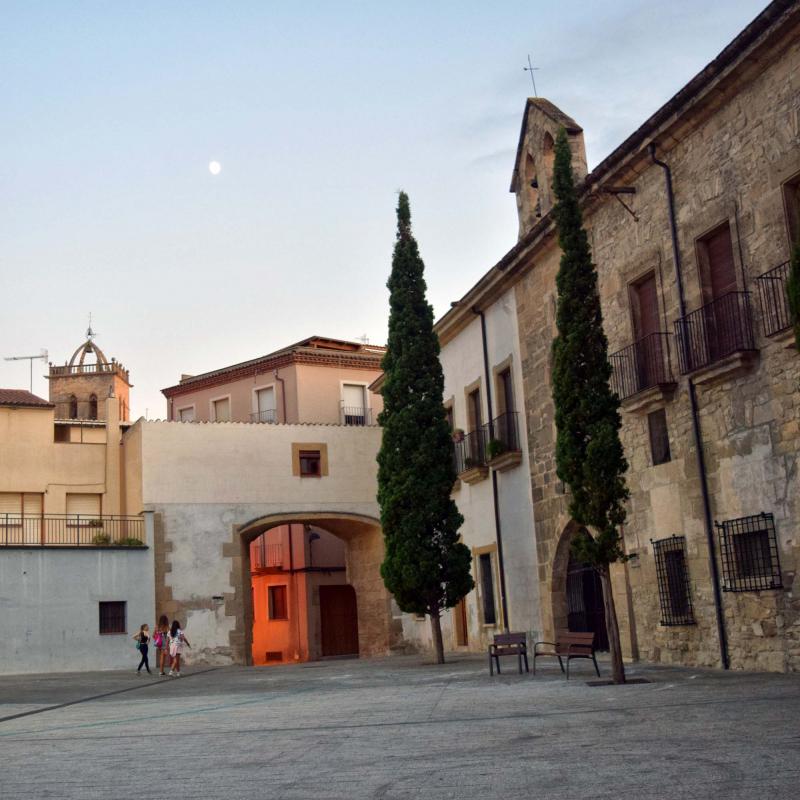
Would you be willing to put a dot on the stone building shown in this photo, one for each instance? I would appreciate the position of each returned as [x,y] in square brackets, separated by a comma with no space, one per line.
[690,221]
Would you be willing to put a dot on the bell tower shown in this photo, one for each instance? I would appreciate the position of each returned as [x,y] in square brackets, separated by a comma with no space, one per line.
[81,387]
[533,169]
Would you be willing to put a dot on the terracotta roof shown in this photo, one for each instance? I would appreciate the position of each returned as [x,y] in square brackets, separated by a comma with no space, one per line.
[315,349]
[22,399]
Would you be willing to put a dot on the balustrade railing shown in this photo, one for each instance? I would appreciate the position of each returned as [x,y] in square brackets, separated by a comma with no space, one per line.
[503,434]
[268,556]
[716,330]
[641,365]
[356,415]
[74,530]
[470,451]
[268,415]
[774,299]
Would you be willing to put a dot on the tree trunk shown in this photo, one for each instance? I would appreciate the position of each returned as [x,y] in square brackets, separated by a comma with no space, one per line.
[436,630]
[612,627]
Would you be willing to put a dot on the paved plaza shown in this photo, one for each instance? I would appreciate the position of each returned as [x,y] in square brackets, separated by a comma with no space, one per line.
[399,728]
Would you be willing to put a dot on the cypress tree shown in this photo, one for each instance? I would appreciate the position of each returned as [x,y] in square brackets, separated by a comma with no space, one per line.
[589,454]
[425,567]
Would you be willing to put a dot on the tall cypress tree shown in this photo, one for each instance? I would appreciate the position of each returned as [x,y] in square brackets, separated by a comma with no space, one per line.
[425,567]
[589,454]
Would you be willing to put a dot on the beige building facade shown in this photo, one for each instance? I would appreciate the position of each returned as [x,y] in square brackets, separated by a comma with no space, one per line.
[690,222]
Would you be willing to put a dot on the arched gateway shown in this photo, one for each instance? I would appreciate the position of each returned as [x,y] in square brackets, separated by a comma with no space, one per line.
[217,488]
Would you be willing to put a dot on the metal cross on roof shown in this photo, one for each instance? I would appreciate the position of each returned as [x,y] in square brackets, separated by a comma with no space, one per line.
[530,68]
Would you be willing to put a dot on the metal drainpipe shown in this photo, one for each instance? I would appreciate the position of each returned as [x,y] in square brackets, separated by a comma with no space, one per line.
[283,393]
[497,528]
[698,442]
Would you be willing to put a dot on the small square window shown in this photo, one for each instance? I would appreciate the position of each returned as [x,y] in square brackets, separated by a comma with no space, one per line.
[112,616]
[278,607]
[749,549]
[310,463]
[659,437]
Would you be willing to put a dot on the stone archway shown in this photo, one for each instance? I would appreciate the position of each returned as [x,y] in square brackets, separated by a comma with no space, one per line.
[558,577]
[377,633]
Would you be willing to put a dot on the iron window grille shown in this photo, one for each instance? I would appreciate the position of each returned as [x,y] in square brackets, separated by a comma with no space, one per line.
[749,549]
[673,581]
[112,617]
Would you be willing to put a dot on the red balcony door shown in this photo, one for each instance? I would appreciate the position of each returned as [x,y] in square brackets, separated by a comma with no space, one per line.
[644,304]
[718,275]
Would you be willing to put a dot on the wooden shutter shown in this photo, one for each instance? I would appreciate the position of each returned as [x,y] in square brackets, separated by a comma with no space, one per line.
[87,505]
[644,298]
[33,504]
[222,410]
[186,414]
[265,399]
[721,270]
[11,503]
[353,396]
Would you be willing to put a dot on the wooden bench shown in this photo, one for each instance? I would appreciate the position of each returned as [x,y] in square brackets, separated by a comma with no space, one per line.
[508,644]
[567,645]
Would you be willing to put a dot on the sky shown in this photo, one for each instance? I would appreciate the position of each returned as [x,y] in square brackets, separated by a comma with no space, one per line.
[318,113]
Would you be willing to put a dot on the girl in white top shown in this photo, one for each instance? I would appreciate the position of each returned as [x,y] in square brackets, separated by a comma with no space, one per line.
[177,640]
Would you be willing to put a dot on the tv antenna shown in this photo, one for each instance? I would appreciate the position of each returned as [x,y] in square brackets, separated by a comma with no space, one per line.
[364,339]
[530,68]
[43,355]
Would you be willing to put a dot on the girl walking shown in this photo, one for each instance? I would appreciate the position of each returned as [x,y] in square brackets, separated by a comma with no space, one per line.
[177,640]
[143,639]
[160,638]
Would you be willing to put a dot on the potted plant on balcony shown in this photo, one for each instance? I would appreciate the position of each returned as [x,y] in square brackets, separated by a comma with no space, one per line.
[458,435]
[101,539]
[496,447]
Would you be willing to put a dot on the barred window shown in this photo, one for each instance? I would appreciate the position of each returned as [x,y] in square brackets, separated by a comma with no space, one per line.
[673,581]
[112,617]
[749,549]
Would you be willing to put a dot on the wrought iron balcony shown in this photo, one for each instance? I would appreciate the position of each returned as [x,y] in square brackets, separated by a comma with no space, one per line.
[774,299]
[714,331]
[269,415]
[470,451]
[267,556]
[356,415]
[502,434]
[641,365]
[70,530]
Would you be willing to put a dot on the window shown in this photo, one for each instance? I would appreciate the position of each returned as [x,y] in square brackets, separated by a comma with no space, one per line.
[505,391]
[310,463]
[448,413]
[112,617]
[93,406]
[354,407]
[474,409]
[186,414]
[717,270]
[73,407]
[673,581]
[487,589]
[276,599]
[791,196]
[749,549]
[659,437]
[265,405]
[221,409]
[84,505]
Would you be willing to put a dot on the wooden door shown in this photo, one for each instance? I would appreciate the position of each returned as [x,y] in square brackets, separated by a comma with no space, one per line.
[644,304]
[338,620]
[460,620]
[719,280]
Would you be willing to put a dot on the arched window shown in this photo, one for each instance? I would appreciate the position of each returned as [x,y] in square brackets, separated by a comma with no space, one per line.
[93,406]
[73,407]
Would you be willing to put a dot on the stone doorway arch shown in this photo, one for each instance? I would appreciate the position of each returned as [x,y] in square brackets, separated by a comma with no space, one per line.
[362,535]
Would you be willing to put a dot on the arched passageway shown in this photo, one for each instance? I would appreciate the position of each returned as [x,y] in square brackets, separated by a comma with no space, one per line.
[315,588]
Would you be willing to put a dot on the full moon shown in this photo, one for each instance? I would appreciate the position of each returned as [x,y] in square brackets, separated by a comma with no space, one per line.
[214,167]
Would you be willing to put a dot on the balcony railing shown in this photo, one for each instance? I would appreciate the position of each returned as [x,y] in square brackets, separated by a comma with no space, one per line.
[83,369]
[267,556]
[74,530]
[774,299]
[716,330]
[356,415]
[470,451]
[503,434]
[269,415]
[641,365]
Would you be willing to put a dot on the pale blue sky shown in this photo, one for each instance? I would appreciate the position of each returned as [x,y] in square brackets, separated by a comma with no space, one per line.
[318,113]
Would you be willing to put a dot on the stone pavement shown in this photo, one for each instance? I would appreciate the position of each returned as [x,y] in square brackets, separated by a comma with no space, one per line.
[397,728]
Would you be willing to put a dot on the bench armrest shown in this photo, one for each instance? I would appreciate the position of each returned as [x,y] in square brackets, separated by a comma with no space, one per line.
[586,648]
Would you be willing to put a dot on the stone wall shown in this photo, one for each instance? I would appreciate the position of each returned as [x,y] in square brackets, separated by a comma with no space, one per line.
[729,162]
